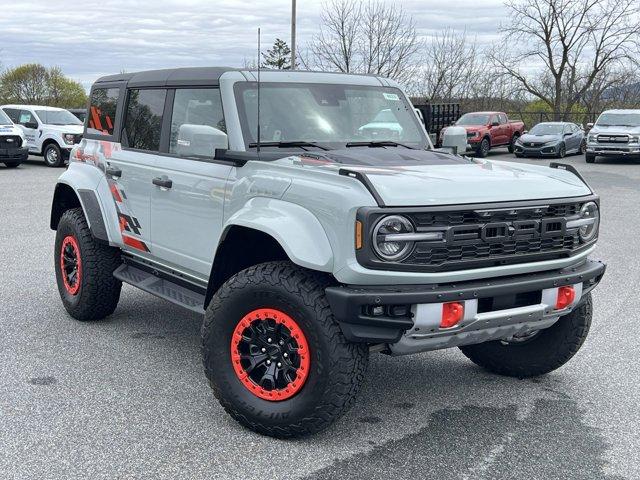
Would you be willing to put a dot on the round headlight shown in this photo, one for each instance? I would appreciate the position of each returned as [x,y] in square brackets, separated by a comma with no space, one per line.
[588,232]
[387,237]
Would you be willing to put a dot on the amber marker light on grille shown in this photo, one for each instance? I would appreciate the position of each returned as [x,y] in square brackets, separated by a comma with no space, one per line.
[358,234]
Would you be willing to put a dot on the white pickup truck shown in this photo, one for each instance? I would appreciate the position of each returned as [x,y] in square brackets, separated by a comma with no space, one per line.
[49,131]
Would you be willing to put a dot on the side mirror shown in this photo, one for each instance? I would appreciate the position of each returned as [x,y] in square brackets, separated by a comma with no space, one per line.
[33,125]
[495,124]
[589,125]
[200,140]
[568,134]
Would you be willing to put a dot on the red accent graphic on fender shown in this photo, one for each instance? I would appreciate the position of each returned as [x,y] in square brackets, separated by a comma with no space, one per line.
[135,243]
[115,192]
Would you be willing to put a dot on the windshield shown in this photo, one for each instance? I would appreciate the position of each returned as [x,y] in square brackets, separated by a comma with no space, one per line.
[327,114]
[547,129]
[619,119]
[58,117]
[473,119]
[4,120]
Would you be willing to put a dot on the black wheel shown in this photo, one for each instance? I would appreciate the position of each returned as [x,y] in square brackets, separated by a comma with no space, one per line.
[53,155]
[483,149]
[84,270]
[11,164]
[562,151]
[538,354]
[274,355]
[519,155]
[583,147]
[590,158]
[512,144]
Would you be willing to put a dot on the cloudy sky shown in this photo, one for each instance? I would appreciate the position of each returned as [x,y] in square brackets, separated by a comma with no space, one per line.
[91,38]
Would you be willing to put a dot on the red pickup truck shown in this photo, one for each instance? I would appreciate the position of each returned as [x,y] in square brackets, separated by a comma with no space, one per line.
[489,129]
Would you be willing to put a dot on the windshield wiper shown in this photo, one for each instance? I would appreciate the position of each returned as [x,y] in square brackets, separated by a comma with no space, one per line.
[378,143]
[288,144]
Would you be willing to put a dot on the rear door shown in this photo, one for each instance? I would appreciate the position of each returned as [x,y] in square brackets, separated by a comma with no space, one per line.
[130,165]
[187,209]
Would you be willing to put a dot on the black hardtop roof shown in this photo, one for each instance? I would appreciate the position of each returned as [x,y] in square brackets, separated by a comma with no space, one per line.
[170,77]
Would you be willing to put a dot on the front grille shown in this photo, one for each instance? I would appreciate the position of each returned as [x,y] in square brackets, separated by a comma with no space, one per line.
[533,144]
[613,138]
[10,141]
[494,236]
[471,134]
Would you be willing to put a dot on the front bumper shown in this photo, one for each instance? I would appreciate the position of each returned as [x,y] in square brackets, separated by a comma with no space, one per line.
[548,151]
[351,304]
[613,150]
[13,154]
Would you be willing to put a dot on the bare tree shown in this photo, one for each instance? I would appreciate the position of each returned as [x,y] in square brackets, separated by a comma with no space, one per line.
[451,67]
[370,37]
[573,41]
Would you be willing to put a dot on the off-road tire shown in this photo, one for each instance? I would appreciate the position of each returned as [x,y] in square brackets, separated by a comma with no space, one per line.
[337,367]
[483,148]
[55,151]
[512,144]
[548,350]
[590,158]
[99,290]
[11,164]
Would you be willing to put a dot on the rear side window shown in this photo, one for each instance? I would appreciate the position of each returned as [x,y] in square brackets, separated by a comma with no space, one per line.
[143,119]
[197,123]
[102,113]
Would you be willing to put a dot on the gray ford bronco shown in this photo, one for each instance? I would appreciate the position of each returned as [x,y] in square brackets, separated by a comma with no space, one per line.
[310,233]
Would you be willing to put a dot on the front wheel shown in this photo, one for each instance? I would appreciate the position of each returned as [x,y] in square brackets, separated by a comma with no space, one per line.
[53,155]
[275,356]
[483,149]
[84,269]
[562,151]
[540,353]
[590,158]
[512,144]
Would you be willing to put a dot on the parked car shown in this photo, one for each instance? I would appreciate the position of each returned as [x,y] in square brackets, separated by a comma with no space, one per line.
[616,133]
[81,113]
[486,130]
[49,131]
[552,139]
[12,149]
[311,245]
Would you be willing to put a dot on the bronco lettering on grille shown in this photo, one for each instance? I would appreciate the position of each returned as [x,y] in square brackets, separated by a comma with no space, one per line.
[502,231]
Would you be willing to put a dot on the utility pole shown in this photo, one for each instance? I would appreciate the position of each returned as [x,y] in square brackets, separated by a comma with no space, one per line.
[293,34]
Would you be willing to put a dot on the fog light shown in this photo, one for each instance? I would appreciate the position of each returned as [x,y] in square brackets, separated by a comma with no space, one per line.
[566,296]
[377,311]
[452,313]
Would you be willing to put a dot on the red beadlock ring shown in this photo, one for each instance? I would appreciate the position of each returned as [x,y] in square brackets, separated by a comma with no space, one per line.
[295,332]
[72,287]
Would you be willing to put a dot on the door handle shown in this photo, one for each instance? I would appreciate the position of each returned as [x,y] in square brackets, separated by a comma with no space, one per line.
[163,182]
[113,171]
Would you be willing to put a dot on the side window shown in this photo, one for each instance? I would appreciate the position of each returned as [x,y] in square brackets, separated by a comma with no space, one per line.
[102,112]
[197,123]
[568,129]
[503,118]
[13,114]
[494,119]
[27,117]
[143,119]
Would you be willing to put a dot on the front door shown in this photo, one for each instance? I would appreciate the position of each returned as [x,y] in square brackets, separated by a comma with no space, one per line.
[29,124]
[188,196]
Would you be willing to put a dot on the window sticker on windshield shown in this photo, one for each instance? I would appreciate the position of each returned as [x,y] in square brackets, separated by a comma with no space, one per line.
[391,96]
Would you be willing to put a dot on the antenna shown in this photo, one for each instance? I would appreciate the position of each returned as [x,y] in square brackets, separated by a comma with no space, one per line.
[258,129]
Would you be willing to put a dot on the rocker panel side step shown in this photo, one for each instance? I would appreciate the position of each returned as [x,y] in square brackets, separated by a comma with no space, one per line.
[160,287]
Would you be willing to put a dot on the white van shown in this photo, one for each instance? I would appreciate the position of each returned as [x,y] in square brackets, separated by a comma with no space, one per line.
[49,131]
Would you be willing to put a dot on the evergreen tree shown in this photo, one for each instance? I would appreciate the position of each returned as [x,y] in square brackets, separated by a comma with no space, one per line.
[278,57]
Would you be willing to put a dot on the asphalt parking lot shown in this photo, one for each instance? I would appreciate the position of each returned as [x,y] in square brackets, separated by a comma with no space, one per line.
[127,397]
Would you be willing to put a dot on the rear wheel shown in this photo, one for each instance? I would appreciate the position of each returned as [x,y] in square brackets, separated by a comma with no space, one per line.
[84,269]
[274,355]
[539,353]
[53,155]
[590,158]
